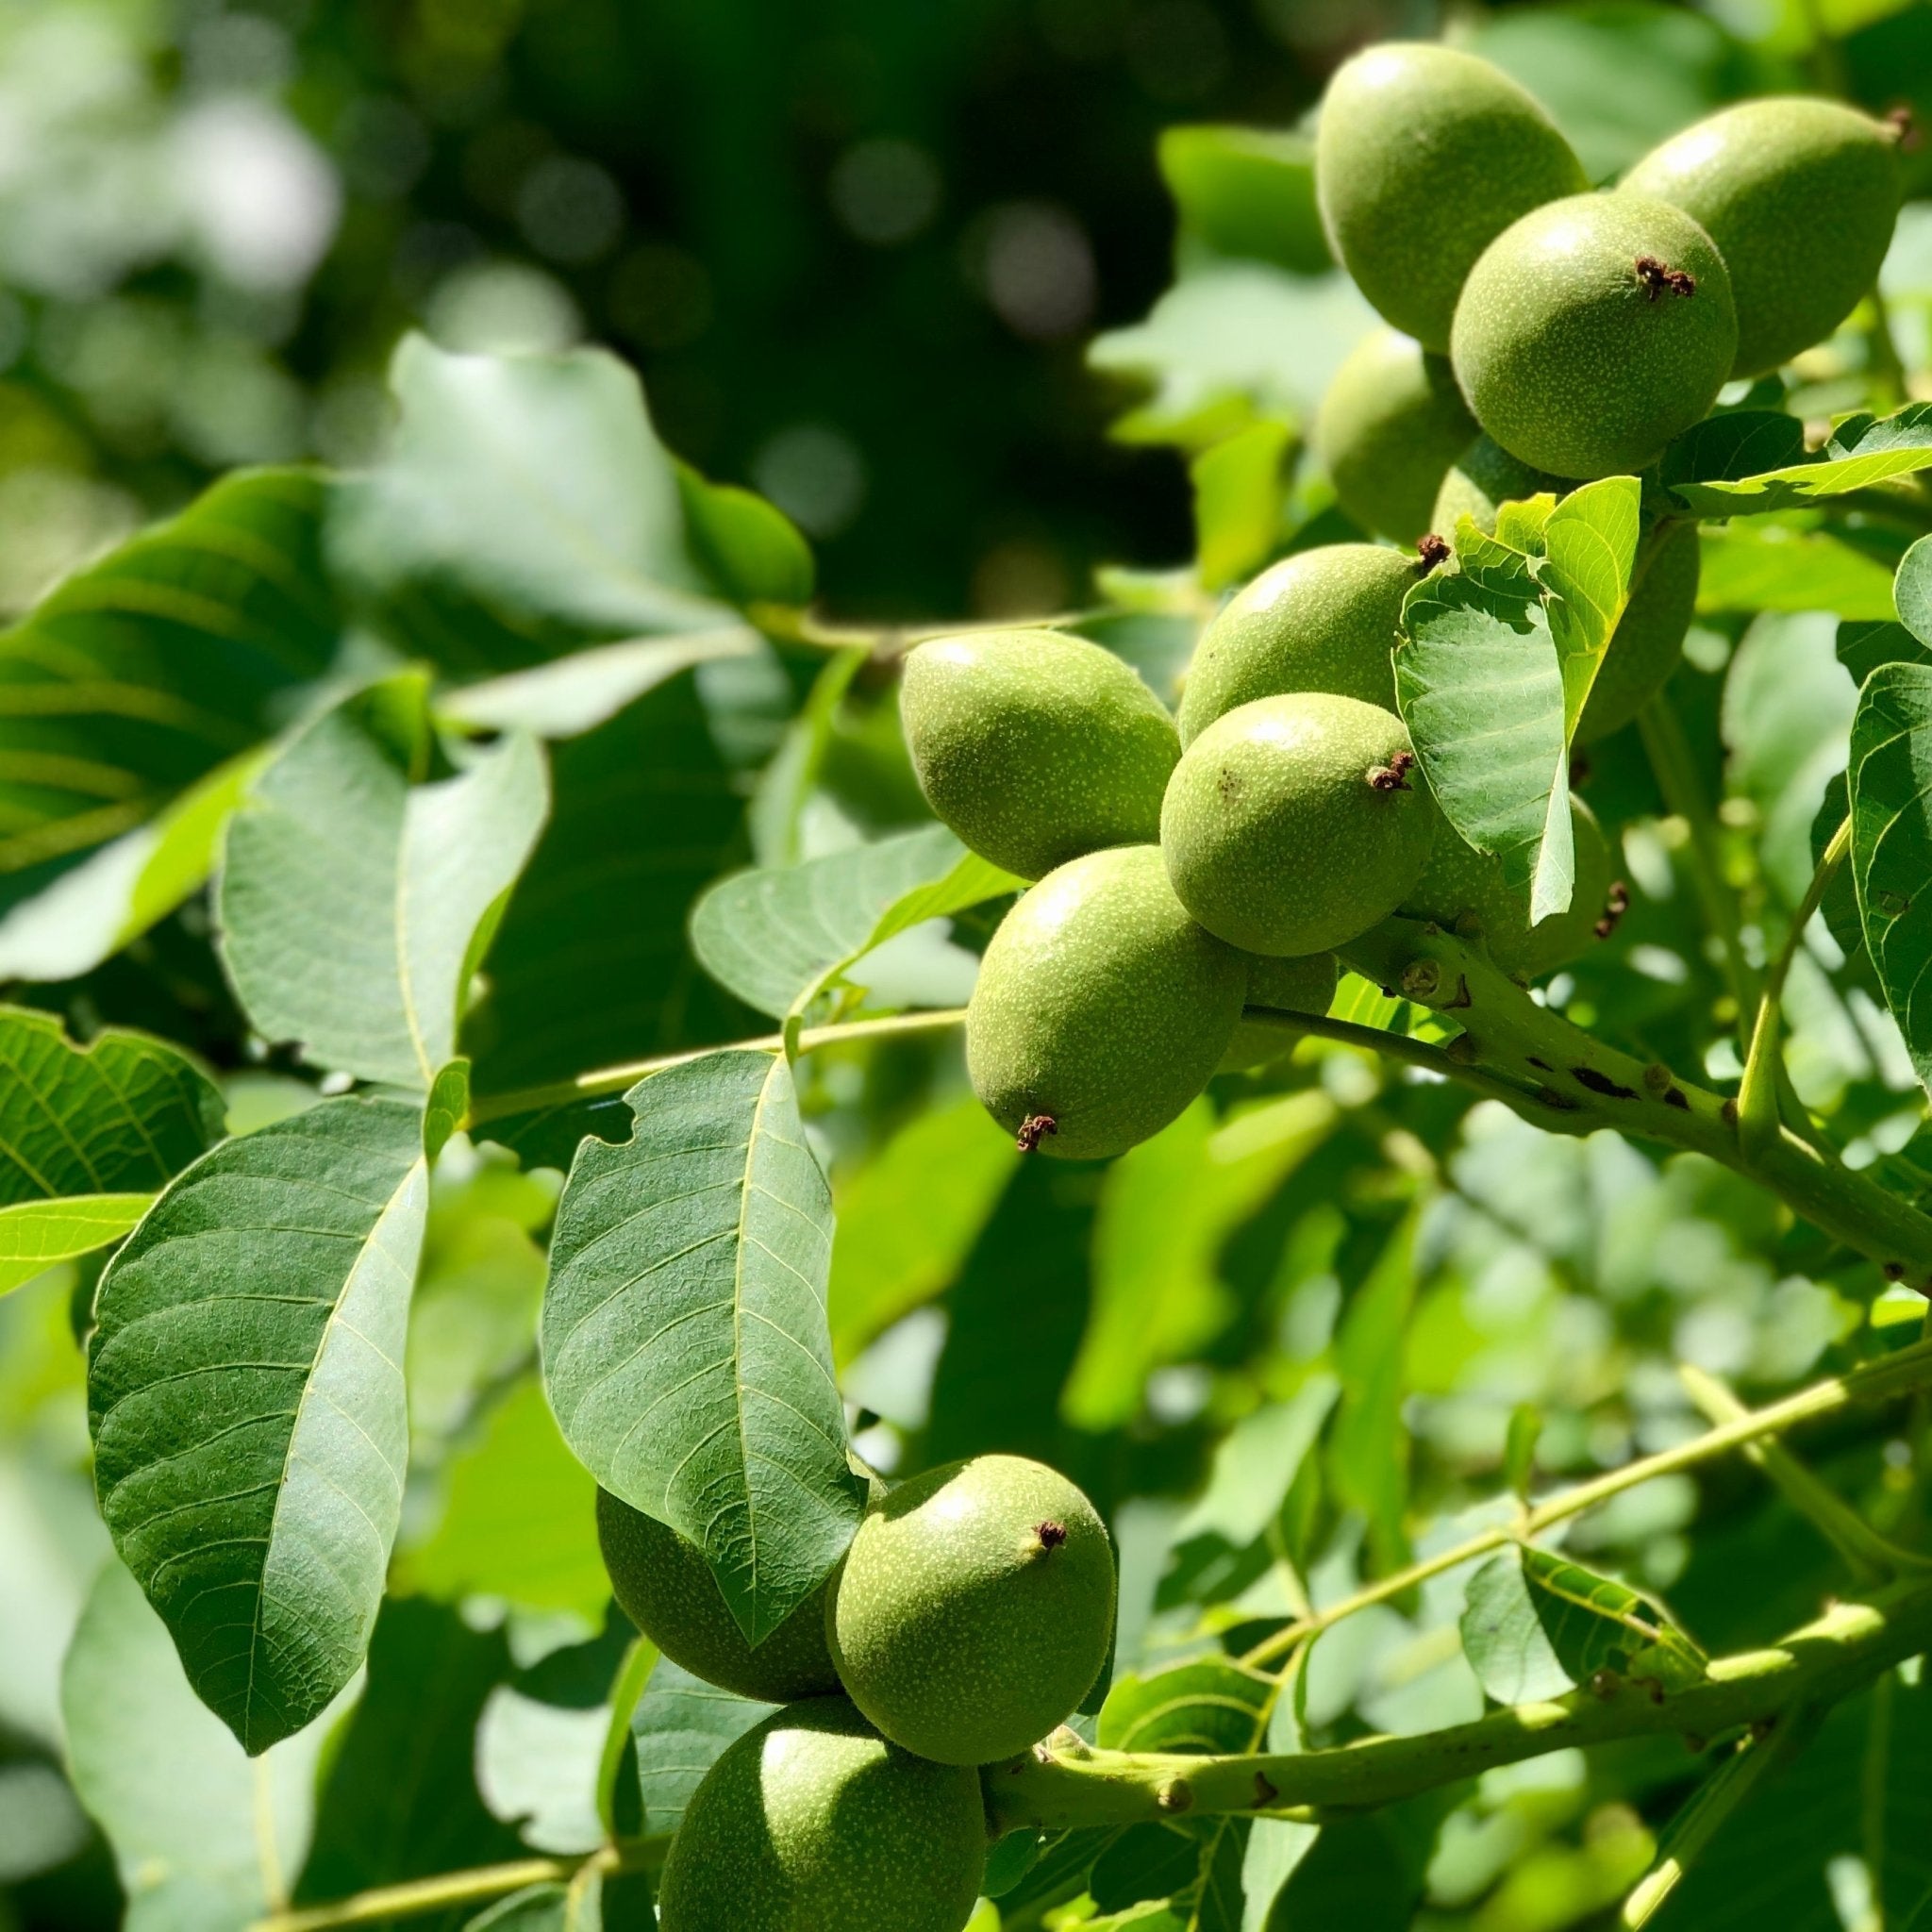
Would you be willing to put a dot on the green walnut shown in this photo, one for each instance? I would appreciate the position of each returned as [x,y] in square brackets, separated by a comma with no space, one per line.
[1282,986]
[1482,479]
[664,1586]
[1391,423]
[1101,1009]
[1423,157]
[1321,620]
[813,1820]
[974,1608]
[1035,747]
[1464,888]
[1649,638]
[1295,823]
[1800,197]
[1593,331]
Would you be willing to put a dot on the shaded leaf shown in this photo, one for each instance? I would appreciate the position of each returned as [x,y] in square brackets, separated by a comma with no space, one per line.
[1861,450]
[900,1241]
[203,1838]
[246,1396]
[1368,1447]
[747,549]
[1537,1625]
[1240,491]
[684,1337]
[681,1727]
[1245,194]
[774,935]
[1890,776]
[1863,646]
[399,1797]
[1911,591]
[1211,1705]
[1730,447]
[590,965]
[139,675]
[353,898]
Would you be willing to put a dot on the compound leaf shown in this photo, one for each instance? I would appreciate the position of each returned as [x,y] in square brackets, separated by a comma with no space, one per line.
[245,1395]
[684,1335]
[1890,776]
[352,899]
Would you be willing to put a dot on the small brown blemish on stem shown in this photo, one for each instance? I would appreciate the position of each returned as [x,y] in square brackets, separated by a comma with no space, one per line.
[1265,1793]
[1420,980]
[1175,1796]
[1616,902]
[1602,1083]
[1895,1271]
[1728,1113]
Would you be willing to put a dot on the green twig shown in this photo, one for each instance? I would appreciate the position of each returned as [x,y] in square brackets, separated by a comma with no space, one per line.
[1757,1098]
[449,1890]
[1064,1784]
[1566,1081]
[1871,1557]
[1903,1372]
[603,1080]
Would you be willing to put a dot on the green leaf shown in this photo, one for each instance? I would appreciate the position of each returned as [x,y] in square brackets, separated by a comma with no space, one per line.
[681,1727]
[1855,1797]
[1891,842]
[88,1135]
[1211,1704]
[1589,551]
[1911,591]
[589,966]
[900,1240]
[684,1337]
[1246,195]
[1257,1461]
[749,549]
[36,1234]
[1480,686]
[518,1522]
[1732,447]
[202,1839]
[1792,566]
[1167,1208]
[1862,450]
[447,1106]
[124,1114]
[1519,1447]
[574,694]
[1240,491]
[118,892]
[1537,1626]
[524,507]
[246,1397]
[1233,343]
[399,1797]
[1862,647]
[774,935]
[353,898]
[138,677]
[1369,1445]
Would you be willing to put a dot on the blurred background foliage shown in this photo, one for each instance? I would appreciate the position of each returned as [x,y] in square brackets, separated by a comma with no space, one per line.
[1000,300]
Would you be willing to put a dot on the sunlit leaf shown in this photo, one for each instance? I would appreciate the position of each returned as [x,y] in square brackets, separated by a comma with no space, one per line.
[685,1346]
[1861,451]
[245,1395]
[352,896]
[1890,776]
[36,1234]
[1790,566]
[1245,194]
